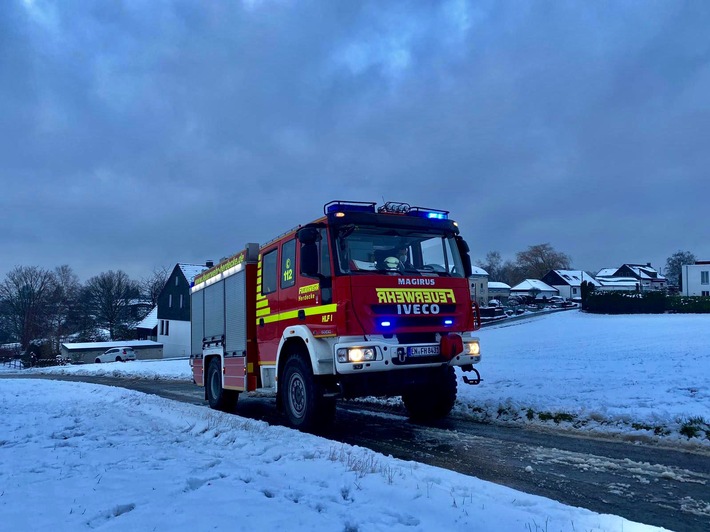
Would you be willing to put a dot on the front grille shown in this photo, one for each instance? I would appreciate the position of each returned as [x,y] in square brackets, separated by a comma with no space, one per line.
[417,338]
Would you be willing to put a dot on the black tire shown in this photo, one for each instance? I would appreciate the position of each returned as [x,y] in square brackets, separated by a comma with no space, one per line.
[302,398]
[118,359]
[97,361]
[218,397]
[434,401]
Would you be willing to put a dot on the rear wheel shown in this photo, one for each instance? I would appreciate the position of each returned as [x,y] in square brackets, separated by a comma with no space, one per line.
[218,397]
[97,361]
[118,359]
[434,401]
[302,397]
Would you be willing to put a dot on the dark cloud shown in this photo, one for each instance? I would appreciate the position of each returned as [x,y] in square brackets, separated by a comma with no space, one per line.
[138,134]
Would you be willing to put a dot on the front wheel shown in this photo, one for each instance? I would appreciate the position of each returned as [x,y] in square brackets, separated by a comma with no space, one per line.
[434,401]
[218,397]
[302,398]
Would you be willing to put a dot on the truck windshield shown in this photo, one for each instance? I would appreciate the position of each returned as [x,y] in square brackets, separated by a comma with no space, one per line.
[371,249]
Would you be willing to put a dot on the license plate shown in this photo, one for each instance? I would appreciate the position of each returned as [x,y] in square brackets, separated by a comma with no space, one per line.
[423,351]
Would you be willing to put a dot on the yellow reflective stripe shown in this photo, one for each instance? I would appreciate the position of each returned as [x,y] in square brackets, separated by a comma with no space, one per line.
[293,314]
[263,312]
[262,303]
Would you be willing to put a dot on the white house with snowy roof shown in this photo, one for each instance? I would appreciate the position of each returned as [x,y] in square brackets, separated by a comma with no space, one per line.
[628,277]
[569,282]
[534,288]
[173,317]
[479,285]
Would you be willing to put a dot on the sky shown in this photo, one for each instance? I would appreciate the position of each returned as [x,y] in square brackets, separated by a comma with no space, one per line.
[141,134]
[601,369]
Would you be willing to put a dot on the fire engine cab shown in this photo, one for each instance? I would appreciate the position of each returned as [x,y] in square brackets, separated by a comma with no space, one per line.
[364,301]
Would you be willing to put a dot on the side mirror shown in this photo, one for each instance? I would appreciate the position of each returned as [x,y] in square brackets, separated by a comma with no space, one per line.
[308,235]
[465,257]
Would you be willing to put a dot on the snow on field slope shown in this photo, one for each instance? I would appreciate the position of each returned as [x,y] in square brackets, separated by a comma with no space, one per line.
[79,456]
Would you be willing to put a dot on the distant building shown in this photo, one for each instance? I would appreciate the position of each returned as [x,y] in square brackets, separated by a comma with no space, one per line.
[86,352]
[499,291]
[569,282]
[696,279]
[479,285]
[147,329]
[534,288]
[628,277]
[173,316]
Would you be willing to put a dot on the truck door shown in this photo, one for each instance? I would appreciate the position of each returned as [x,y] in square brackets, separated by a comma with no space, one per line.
[267,299]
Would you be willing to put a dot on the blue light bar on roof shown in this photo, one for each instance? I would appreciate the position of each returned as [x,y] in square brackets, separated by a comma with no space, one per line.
[348,206]
[432,214]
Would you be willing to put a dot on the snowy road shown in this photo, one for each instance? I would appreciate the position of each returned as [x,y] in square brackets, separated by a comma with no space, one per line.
[647,483]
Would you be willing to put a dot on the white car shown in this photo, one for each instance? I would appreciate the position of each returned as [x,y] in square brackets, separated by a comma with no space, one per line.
[117,354]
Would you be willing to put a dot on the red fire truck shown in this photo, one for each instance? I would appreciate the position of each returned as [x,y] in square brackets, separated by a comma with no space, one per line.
[364,301]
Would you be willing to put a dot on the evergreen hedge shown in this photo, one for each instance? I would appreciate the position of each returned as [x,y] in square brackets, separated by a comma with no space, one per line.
[643,303]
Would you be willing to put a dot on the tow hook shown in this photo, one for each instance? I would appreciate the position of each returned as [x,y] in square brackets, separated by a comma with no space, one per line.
[476,380]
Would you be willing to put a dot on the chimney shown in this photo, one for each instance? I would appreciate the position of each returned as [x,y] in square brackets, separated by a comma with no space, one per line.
[209,264]
[648,264]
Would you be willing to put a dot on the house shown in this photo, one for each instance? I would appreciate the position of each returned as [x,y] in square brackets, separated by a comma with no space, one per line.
[479,285]
[535,289]
[86,352]
[173,316]
[569,282]
[147,329]
[695,279]
[498,290]
[645,275]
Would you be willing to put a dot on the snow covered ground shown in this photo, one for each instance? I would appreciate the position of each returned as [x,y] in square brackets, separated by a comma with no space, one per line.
[641,376]
[82,456]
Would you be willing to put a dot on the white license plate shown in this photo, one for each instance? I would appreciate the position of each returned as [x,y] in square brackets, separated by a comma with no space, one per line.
[423,351]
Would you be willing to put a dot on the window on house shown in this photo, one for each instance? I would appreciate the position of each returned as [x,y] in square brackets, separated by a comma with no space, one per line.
[574,290]
[167,327]
[704,277]
[176,280]
[180,300]
[269,278]
[162,327]
[706,292]
[170,300]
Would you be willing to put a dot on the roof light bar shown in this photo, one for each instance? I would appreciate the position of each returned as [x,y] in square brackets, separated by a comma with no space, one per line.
[348,206]
[432,214]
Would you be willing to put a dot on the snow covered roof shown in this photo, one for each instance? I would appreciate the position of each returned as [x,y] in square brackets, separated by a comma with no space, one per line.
[576,277]
[475,270]
[190,271]
[617,281]
[533,284]
[645,272]
[108,345]
[607,272]
[150,321]
[498,285]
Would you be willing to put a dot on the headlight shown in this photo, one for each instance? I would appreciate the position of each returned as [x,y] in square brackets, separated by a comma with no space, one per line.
[356,354]
[472,348]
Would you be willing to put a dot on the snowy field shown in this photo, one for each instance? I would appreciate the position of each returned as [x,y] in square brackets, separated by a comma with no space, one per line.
[638,376]
[76,456]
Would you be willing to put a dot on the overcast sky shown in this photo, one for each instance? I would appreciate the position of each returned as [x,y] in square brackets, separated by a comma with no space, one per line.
[141,134]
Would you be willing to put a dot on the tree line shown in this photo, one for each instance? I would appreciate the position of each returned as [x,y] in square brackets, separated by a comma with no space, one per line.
[47,306]
[537,260]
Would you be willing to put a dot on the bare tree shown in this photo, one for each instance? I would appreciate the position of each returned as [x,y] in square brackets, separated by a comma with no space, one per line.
[25,294]
[108,296]
[153,284]
[64,304]
[674,266]
[492,264]
[537,260]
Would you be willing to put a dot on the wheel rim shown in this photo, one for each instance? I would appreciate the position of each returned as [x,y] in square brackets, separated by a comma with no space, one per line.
[297,395]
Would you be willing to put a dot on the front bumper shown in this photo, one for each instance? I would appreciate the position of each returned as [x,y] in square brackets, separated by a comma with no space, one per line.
[391,355]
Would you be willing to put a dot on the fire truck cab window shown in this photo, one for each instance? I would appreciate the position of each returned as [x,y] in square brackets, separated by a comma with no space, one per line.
[370,249]
[269,277]
[288,264]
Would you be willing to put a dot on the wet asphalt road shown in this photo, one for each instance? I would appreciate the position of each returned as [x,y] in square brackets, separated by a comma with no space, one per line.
[646,483]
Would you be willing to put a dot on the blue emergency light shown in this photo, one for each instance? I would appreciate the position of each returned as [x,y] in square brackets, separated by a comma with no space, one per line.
[348,206]
[431,214]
